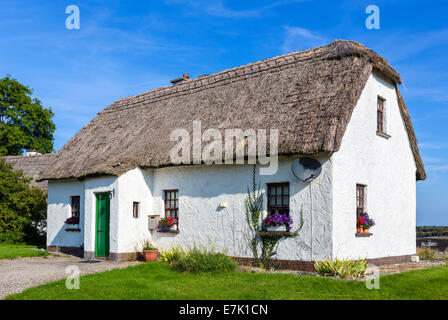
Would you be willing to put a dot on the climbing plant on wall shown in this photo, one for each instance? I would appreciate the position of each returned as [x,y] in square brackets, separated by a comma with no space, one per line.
[264,244]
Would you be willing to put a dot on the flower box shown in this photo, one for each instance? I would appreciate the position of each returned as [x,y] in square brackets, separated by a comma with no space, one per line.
[72,226]
[364,223]
[168,224]
[72,221]
[276,228]
[277,222]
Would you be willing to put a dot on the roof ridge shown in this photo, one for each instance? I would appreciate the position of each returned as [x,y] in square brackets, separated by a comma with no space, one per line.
[28,157]
[188,85]
[239,72]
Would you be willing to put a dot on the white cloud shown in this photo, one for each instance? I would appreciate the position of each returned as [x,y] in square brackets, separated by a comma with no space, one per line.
[433,145]
[443,167]
[297,39]
[218,9]
[431,160]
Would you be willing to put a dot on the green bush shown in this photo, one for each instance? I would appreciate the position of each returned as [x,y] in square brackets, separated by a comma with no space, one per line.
[197,260]
[22,207]
[344,268]
[172,255]
[426,254]
[445,255]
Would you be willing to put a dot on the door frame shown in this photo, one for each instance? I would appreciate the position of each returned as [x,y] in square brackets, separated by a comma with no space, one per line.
[107,244]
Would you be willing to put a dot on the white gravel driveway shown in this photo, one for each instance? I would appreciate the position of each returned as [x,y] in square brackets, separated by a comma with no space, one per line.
[22,273]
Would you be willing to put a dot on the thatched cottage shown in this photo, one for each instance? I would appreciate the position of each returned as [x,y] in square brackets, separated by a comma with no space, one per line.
[31,165]
[339,104]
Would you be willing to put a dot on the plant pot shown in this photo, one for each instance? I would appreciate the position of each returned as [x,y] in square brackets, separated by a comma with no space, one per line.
[72,226]
[364,230]
[359,229]
[277,228]
[173,228]
[150,255]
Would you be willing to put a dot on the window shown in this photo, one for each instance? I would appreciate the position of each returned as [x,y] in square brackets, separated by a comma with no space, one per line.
[360,199]
[135,209]
[380,124]
[76,206]
[172,203]
[278,198]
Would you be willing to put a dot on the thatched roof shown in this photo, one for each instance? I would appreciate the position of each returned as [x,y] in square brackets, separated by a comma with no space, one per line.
[31,166]
[309,96]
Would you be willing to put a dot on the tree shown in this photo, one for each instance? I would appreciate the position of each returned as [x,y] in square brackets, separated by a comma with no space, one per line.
[24,122]
[22,207]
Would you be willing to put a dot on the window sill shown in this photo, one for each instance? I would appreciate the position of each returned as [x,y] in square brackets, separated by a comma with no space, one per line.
[275,233]
[169,231]
[383,134]
[73,229]
[363,235]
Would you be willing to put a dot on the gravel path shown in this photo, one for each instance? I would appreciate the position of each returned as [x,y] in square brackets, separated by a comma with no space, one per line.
[22,273]
[409,266]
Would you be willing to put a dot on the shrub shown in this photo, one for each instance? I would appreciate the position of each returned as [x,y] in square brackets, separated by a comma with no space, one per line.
[22,207]
[344,268]
[147,246]
[171,255]
[426,254]
[197,260]
[445,255]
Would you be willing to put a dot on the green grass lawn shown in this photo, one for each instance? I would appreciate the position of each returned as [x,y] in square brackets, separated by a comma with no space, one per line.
[11,251]
[155,280]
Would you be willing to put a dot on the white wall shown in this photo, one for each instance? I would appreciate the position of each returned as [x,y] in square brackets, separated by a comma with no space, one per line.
[134,186]
[98,185]
[203,223]
[59,210]
[387,167]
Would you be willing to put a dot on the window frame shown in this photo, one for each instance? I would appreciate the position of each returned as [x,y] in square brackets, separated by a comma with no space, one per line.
[168,208]
[381,115]
[361,199]
[73,207]
[136,210]
[282,209]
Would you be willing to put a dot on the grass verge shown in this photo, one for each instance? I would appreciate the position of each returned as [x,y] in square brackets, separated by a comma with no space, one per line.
[12,251]
[156,280]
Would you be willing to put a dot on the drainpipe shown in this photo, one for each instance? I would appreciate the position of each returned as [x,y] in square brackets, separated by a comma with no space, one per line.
[311,219]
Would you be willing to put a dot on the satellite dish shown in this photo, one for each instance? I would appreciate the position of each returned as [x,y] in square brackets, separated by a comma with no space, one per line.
[306,169]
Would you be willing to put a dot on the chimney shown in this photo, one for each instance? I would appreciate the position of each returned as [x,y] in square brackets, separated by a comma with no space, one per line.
[33,152]
[184,77]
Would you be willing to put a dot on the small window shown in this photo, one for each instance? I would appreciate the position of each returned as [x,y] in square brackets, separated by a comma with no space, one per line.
[278,198]
[172,203]
[360,199]
[135,209]
[381,123]
[76,200]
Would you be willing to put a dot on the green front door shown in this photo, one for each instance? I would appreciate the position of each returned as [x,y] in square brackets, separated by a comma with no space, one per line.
[102,224]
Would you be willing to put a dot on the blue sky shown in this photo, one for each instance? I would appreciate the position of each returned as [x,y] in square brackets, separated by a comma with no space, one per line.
[124,48]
